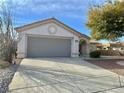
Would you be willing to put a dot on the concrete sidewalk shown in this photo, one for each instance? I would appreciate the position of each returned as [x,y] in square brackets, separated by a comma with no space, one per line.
[64,75]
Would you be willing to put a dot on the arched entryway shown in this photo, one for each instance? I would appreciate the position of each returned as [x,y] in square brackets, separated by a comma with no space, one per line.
[84,47]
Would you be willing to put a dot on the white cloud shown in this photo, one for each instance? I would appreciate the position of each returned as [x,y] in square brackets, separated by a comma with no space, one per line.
[34,9]
[55,7]
[48,5]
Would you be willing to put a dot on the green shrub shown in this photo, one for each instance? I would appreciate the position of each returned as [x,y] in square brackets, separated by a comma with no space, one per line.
[95,54]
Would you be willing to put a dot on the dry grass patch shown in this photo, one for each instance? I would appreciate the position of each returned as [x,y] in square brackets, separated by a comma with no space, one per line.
[4,64]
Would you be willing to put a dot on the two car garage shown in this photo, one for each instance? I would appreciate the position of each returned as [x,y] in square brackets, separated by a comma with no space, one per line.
[48,47]
[49,38]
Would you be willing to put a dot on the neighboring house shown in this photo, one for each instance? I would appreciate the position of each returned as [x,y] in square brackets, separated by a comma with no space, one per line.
[50,38]
[94,45]
[106,46]
[113,46]
[117,46]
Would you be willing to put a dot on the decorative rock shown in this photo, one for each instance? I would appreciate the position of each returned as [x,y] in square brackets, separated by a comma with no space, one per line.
[6,76]
[121,63]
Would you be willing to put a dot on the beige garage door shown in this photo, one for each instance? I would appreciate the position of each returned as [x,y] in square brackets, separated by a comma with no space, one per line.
[48,47]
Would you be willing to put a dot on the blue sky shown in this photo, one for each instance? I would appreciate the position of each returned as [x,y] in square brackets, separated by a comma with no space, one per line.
[71,12]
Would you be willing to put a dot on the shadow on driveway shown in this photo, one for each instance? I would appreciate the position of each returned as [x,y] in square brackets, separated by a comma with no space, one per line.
[62,75]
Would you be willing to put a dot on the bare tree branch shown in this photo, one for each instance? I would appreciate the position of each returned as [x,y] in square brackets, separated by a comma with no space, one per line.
[7,34]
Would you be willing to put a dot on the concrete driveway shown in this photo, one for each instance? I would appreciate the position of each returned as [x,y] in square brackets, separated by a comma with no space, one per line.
[64,75]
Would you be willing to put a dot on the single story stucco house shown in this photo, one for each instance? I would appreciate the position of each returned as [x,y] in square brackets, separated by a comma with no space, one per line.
[50,38]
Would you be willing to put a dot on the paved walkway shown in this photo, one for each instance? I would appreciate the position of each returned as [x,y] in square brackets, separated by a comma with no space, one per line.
[64,75]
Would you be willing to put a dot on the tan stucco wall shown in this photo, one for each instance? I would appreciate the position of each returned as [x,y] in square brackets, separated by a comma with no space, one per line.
[42,31]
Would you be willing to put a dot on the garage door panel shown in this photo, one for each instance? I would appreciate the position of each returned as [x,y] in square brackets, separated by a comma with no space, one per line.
[48,47]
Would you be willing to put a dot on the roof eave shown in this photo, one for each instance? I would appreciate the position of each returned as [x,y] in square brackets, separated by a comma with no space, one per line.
[22,28]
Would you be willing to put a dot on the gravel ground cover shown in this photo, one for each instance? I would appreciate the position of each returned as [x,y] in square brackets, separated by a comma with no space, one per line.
[110,64]
[6,76]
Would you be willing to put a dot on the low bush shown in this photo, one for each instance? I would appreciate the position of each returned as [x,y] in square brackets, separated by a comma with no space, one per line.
[95,54]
